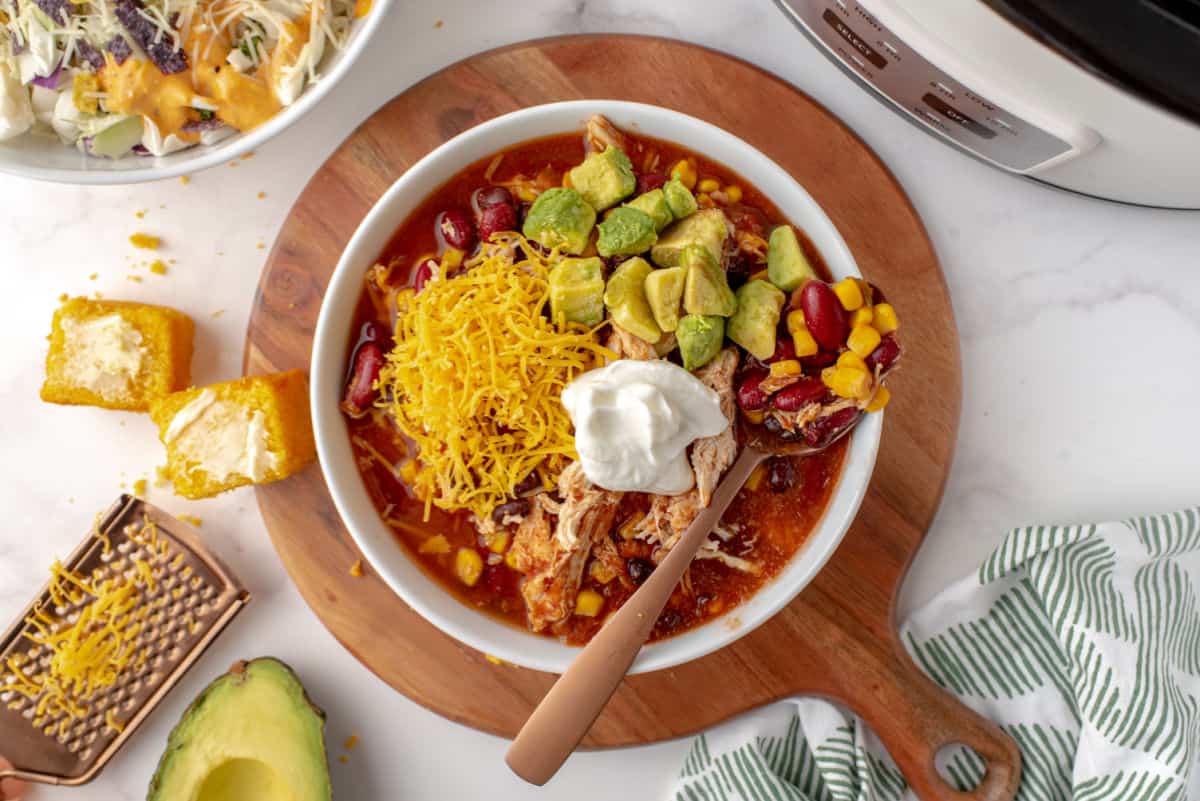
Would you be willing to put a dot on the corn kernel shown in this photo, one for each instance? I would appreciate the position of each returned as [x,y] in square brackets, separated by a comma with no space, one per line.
[849,293]
[510,559]
[709,185]
[755,416]
[882,396]
[685,172]
[704,200]
[468,566]
[437,544]
[804,343]
[885,321]
[851,360]
[526,194]
[408,472]
[846,382]
[756,478]
[498,541]
[863,315]
[761,275]
[785,367]
[566,181]
[601,572]
[588,603]
[863,340]
[734,193]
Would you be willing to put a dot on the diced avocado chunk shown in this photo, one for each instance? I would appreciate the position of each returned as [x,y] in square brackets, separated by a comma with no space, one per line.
[787,266]
[654,203]
[664,291]
[705,289]
[708,228]
[604,179]
[577,291]
[560,218]
[700,337]
[754,323]
[679,199]
[625,297]
[117,139]
[625,232]
[252,733]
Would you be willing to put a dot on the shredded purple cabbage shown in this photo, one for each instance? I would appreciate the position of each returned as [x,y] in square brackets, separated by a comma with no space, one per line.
[18,45]
[199,126]
[88,53]
[167,59]
[50,81]
[119,48]
[57,10]
[140,150]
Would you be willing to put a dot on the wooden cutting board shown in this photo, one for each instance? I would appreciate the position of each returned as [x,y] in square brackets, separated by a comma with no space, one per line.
[838,638]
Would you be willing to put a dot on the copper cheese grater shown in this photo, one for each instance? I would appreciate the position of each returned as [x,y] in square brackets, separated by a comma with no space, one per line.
[191,596]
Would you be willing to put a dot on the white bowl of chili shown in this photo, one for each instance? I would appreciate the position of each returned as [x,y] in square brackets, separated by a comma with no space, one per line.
[336,333]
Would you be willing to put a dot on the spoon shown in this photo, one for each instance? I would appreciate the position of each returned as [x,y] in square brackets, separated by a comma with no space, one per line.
[568,711]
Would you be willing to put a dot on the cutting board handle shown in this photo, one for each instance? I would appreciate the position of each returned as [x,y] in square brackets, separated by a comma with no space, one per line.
[915,719]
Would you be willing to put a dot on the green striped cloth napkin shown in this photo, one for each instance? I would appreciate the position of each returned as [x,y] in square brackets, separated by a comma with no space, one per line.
[1082,642]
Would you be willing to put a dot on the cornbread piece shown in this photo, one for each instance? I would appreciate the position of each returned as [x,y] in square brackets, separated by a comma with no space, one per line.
[116,354]
[250,431]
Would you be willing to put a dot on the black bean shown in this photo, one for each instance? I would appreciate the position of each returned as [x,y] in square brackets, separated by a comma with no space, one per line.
[517,508]
[528,484]
[781,474]
[668,621]
[639,569]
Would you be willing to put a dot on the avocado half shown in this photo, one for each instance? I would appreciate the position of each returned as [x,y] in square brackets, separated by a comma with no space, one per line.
[251,734]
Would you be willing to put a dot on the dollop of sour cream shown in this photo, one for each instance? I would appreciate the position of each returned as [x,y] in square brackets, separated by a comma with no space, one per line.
[634,421]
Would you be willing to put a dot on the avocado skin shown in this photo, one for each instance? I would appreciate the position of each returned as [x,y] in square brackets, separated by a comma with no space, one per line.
[239,673]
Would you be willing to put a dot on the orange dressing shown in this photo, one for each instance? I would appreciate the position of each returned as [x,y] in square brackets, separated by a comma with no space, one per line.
[243,101]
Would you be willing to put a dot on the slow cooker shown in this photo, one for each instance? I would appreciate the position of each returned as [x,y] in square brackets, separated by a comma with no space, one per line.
[1100,97]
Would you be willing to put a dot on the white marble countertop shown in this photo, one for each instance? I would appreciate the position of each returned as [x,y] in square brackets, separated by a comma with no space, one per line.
[1080,325]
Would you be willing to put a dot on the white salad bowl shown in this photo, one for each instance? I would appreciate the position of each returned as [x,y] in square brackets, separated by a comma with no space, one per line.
[329,369]
[43,157]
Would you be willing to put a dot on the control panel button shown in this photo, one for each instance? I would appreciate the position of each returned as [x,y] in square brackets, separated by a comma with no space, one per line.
[954,115]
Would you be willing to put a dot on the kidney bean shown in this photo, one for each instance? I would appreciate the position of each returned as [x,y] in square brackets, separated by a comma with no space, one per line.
[885,354]
[517,508]
[823,314]
[528,484]
[360,391]
[781,474]
[423,274]
[498,217]
[822,358]
[639,569]
[455,228]
[795,397]
[785,349]
[749,397]
[649,181]
[491,196]
[822,431]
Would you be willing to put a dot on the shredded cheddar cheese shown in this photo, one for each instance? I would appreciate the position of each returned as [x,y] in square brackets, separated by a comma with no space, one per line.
[89,628]
[475,375]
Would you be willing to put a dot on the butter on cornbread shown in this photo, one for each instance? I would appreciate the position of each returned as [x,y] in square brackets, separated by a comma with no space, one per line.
[250,431]
[116,354]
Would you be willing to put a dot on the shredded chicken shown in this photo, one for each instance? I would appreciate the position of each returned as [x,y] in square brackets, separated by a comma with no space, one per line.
[712,456]
[773,383]
[794,421]
[602,134]
[751,244]
[629,346]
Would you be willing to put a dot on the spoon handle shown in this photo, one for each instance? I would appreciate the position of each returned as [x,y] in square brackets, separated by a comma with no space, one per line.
[579,696]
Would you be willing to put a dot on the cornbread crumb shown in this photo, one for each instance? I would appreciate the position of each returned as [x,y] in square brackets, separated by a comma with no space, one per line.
[137,279]
[343,759]
[98,295]
[351,741]
[144,241]
[266,417]
[260,246]
[116,354]
[217,313]
[93,276]
[438,24]
[248,155]
[139,487]
[63,298]
[160,476]
[191,520]
[139,214]
[356,569]
[261,195]
[185,179]
[158,267]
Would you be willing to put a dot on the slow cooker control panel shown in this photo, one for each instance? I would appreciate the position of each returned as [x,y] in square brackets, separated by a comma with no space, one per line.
[876,55]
